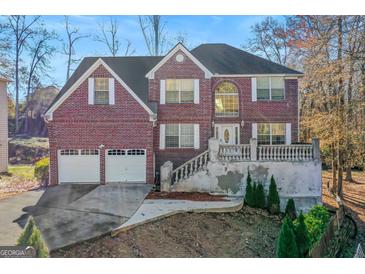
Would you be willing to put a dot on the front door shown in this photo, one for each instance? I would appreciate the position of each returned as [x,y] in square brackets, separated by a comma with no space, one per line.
[227,134]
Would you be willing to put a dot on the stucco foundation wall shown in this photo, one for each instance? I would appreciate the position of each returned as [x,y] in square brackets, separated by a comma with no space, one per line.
[299,180]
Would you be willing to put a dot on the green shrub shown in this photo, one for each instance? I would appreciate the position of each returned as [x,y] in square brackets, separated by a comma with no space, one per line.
[31,236]
[41,170]
[273,200]
[254,195]
[290,210]
[286,245]
[249,199]
[26,233]
[260,196]
[316,221]
[301,236]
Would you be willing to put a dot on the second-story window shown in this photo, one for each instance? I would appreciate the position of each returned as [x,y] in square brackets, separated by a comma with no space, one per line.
[101,91]
[226,100]
[179,91]
[270,88]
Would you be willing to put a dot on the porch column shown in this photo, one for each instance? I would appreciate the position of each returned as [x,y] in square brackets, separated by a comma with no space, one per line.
[253,147]
[166,176]
[316,149]
[213,146]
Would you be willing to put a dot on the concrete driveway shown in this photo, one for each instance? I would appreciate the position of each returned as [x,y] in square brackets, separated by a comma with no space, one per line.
[68,214]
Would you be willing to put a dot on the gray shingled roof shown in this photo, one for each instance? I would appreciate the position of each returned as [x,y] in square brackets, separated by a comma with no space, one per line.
[217,58]
[225,59]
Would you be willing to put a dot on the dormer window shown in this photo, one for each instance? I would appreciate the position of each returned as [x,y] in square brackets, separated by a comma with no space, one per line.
[101,91]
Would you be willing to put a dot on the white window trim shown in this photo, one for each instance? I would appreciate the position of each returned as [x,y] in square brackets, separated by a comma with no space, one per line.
[270,97]
[195,90]
[287,132]
[196,141]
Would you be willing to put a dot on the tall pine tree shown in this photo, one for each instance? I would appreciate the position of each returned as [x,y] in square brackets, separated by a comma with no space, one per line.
[273,201]
[286,244]
[301,237]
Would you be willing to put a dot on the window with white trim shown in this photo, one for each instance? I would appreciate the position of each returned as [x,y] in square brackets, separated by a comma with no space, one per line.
[179,136]
[271,133]
[226,100]
[270,88]
[135,152]
[89,152]
[101,91]
[179,90]
[70,152]
[116,152]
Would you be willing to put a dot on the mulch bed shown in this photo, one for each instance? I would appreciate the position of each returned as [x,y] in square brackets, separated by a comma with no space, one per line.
[191,196]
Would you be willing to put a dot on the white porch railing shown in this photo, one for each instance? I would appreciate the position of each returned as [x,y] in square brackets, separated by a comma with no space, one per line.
[235,152]
[285,153]
[190,167]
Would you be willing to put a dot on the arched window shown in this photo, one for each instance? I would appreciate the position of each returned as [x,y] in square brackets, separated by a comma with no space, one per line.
[226,100]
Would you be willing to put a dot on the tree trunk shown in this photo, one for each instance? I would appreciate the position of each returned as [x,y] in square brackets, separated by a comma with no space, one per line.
[17,89]
[349,174]
[334,170]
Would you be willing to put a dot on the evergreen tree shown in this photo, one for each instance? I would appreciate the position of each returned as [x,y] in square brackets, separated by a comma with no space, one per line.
[273,201]
[260,196]
[301,237]
[290,210]
[26,233]
[31,236]
[254,195]
[286,244]
[249,200]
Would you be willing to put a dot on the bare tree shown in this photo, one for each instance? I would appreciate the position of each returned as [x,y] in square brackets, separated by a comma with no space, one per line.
[153,30]
[40,53]
[270,40]
[73,35]
[21,29]
[182,37]
[109,37]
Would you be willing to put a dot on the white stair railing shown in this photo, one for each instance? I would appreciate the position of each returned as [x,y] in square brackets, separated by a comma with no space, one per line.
[285,153]
[190,167]
[235,152]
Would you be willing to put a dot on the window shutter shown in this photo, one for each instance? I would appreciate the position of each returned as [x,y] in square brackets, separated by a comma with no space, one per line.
[162,92]
[254,130]
[91,91]
[196,91]
[162,136]
[111,91]
[196,136]
[253,89]
[288,133]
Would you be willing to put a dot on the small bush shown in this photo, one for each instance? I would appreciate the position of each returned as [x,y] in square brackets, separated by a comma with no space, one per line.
[286,244]
[290,210]
[301,236]
[31,236]
[41,171]
[260,196]
[273,200]
[249,199]
[316,221]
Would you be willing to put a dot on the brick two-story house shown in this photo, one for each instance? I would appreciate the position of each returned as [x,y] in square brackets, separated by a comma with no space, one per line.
[118,119]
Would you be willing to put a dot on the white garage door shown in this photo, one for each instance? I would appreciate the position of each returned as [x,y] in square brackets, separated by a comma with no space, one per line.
[79,166]
[125,165]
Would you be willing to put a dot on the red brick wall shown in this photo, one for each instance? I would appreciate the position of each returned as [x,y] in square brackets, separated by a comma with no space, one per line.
[285,111]
[181,113]
[77,125]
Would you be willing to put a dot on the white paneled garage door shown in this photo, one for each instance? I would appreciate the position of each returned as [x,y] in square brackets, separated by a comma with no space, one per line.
[79,166]
[125,165]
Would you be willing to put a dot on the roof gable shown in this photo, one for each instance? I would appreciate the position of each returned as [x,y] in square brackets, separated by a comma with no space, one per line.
[178,47]
[84,70]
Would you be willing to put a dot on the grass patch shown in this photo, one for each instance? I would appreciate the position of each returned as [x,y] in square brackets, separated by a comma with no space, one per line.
[25,172]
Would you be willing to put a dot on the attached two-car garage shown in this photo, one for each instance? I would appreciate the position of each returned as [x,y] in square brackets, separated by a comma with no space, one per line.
[83,165]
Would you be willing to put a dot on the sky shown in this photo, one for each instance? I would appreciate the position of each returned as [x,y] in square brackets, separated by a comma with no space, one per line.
[233,30]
